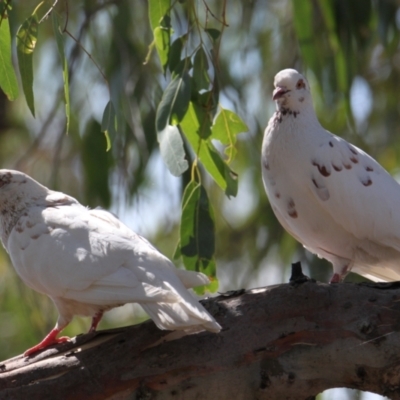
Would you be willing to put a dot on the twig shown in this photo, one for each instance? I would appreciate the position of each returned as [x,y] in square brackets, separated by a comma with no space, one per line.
[223,21]
[48,12]
[66,16]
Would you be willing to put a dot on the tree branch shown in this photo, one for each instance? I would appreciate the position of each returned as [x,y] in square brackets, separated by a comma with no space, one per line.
[287,341]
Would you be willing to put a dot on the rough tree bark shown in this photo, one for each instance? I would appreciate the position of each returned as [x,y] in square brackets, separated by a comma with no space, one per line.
[288,341]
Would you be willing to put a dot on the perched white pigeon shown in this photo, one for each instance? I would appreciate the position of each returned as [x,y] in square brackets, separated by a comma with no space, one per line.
[88,262]
[328,194]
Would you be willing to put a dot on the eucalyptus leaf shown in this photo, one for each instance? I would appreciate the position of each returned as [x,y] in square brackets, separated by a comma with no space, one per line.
[174,56]
[157,10]
[64,64]
[174,103]
[109,124]
[8,79]
[197,233]
[172,150]
[223,176]
[27,35]
[303,25]
[200,70]
[96,163]
[162,41]
[226,127]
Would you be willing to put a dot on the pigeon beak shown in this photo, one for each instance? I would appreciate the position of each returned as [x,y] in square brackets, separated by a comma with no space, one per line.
[278,93]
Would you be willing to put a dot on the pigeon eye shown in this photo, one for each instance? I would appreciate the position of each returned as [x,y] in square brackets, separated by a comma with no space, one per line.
[300,84]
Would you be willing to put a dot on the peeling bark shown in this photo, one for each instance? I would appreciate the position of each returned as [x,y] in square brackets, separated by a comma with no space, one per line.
[289,341]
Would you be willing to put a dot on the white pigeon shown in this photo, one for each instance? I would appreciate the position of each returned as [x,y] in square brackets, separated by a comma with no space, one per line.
[88,262]
[328,194]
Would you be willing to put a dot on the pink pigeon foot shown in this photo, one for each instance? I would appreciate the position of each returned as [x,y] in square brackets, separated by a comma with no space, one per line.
[49,340]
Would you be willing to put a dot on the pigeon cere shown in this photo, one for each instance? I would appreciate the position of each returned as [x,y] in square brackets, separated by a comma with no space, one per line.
[329,195]
[88,261]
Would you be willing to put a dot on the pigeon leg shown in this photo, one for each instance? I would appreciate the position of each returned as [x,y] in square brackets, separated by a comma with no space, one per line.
[335,278]
[95,321]
[339,273]
[50,339]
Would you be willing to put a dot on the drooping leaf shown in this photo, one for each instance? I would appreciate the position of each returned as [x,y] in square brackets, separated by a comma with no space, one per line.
[226,127]
[60,46]
[183,65]
[196,120]
[157,11]
[96,164]
[174,103]
[214,161]
[161,25]
[162,41]
[26,42]
[197,233]
[200,73]
[175,63]
[172,150]
[339,57]
[170,111]
[225,178]
[342,66]
[109,124]
[303,24]
[8,80]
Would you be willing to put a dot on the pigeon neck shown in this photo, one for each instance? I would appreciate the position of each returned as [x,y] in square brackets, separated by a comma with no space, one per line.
[10,212]
[285,113]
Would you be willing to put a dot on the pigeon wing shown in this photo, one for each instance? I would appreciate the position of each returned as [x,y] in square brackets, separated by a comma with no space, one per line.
[69,253]
[356,191]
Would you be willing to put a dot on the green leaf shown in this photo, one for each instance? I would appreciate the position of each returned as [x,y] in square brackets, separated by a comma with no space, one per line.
[174,56]
[183,65]
[197,120]
[172,150]
[197,232]
[162,41]
[174,103]
[171,110]
[215,163]
[96,164]
[303,24]
[227,125]
[214,33]
[8,80]
[26,42]
[161,25]
[109,124]
[157,10]
[225,178]
[200,67]
[328,13]
[60,46]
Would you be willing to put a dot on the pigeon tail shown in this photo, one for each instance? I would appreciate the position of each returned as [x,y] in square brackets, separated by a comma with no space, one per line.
[181,316]
[191,279]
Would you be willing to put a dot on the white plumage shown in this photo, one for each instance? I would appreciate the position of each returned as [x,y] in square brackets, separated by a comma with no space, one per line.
[330,195]
[88,262]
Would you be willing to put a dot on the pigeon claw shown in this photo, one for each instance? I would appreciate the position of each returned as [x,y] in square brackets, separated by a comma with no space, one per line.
[49,340]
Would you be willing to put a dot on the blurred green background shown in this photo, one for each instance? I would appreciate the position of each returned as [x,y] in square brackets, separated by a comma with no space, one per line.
[348,49]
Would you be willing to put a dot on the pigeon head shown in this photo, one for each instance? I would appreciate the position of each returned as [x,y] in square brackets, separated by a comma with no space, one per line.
[17,193]
[16,186]
[292,91]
